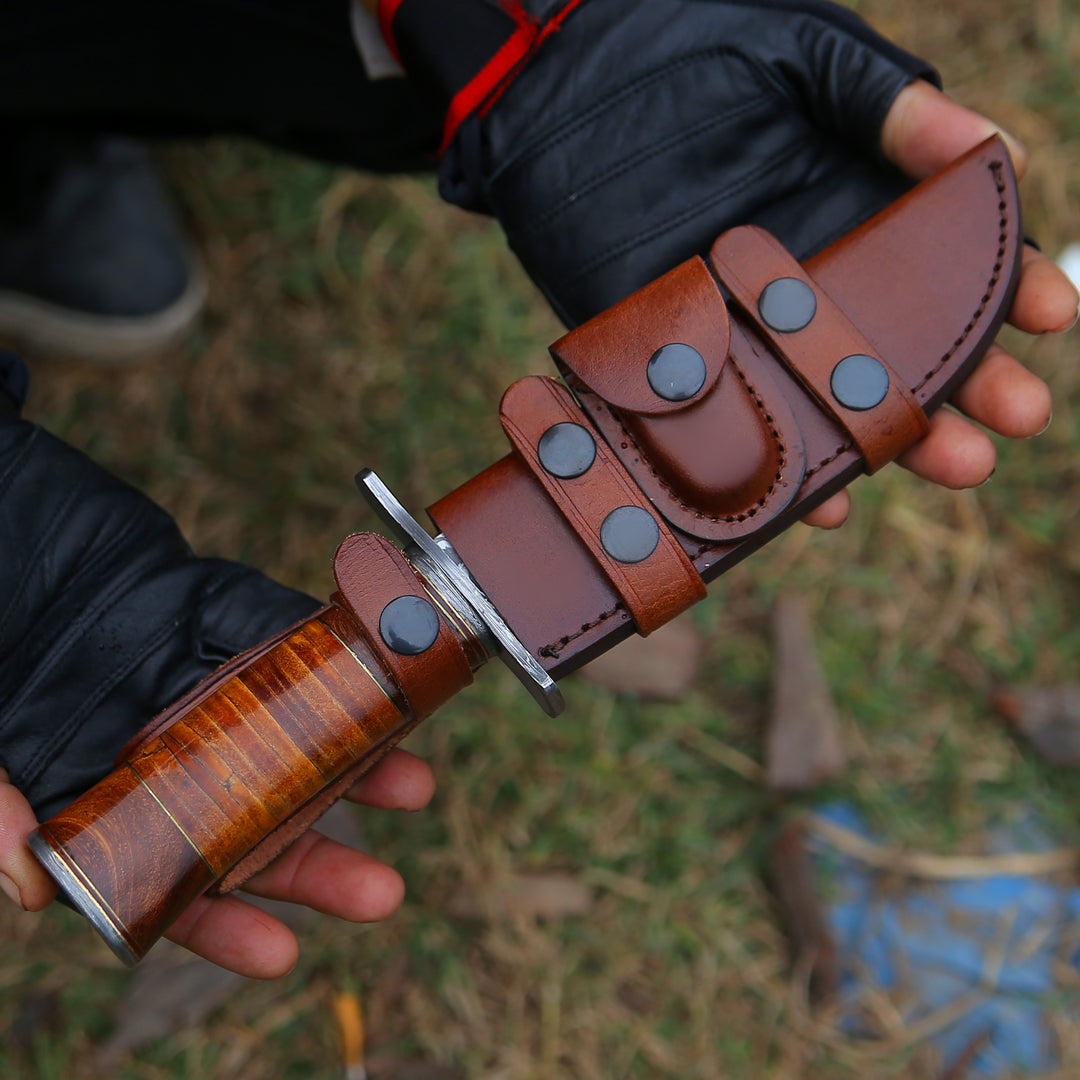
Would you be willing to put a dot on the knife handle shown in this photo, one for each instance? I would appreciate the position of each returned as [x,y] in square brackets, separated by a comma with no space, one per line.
[251,757]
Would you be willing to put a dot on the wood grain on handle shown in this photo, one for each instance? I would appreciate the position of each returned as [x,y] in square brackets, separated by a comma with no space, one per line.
[174,817]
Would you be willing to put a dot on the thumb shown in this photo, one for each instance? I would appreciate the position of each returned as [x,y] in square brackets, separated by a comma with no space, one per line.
[21,876]
[925,130]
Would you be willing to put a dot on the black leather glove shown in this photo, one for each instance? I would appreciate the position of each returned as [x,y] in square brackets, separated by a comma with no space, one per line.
[615,138]
[106,616]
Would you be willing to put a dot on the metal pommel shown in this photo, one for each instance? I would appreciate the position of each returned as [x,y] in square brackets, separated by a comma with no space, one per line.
[436,560]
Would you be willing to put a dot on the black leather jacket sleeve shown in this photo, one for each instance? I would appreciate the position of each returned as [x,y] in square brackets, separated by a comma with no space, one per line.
[106,616]
[636,131]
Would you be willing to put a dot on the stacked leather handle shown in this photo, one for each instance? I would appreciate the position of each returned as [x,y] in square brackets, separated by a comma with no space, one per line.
[699,417]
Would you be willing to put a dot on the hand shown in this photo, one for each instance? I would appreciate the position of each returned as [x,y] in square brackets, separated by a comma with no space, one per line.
[21,875]
[637,131]
[923,132]
[315,871]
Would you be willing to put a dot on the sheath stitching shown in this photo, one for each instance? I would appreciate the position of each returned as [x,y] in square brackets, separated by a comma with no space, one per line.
[731,519]
[996,170]
[555,647]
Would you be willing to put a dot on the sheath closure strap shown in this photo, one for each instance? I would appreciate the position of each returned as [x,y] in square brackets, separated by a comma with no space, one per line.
[371,574]
[813,337]
[720,458]
[654,588]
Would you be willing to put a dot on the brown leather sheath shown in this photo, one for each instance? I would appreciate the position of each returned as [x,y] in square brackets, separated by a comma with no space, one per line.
[911,300]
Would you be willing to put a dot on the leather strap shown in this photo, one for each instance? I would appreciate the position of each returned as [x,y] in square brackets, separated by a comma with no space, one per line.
[371,574]
[654,587]
[750,262]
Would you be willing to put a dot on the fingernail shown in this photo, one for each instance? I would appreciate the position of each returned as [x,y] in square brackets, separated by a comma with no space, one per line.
[1065,327]
[1017,150]
[1045,427]
[989,478]
[11,890]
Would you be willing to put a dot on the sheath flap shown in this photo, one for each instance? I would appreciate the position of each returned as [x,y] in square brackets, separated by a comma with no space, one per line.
[610,353]
[687,405]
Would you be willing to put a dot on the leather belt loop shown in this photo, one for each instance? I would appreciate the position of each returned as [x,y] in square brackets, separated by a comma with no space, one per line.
[648,568]
[820,345]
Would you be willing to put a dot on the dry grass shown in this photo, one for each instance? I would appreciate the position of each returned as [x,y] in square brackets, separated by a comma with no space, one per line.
[357,322]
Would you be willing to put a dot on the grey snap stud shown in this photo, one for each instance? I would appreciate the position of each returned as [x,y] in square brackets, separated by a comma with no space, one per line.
[629,534]
[566,450]
[409,625]
[859,382]
[676,372]
[787,304]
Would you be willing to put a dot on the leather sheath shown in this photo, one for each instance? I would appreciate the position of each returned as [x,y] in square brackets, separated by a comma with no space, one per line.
[922,288]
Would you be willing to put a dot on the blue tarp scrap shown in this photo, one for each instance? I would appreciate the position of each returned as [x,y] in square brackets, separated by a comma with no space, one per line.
[982,963]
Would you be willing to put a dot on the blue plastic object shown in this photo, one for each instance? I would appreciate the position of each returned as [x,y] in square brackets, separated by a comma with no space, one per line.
[976,962]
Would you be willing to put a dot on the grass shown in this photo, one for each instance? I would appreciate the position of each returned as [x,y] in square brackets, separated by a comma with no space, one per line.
[356,321]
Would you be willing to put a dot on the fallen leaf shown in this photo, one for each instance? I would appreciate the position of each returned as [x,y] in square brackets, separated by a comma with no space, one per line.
[1047,716]
[804,746]
[661,667]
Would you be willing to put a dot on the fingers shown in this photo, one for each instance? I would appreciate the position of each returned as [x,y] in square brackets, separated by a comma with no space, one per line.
[237,937]
[1004,396]
[315,871]
[331,878]
[22,877]
[1046,301]
[832,513]
[955,454]
[925,130]
[401,781]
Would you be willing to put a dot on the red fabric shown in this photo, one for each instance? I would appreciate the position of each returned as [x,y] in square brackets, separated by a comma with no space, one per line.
[483,90]
[387,10]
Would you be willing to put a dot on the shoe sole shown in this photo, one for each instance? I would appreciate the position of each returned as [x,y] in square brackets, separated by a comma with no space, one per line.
[40,326]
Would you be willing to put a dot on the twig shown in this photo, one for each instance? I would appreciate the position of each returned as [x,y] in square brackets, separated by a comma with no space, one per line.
[943,867]
[722,754]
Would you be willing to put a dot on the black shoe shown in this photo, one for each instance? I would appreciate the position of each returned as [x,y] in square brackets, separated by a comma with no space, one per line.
[92,259]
